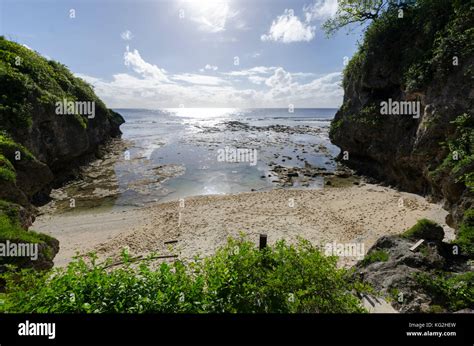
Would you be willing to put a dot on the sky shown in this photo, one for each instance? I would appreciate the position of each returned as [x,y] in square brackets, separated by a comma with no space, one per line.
[190,53]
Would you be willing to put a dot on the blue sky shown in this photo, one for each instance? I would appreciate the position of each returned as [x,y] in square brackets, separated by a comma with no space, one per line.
[164,53]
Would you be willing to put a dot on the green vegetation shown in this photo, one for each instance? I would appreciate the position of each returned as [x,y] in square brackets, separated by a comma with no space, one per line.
[465,238]
[239,278]
[459,162]
[9,209]
[394,294]
[375,256]
[9,148]
[11,230]
[450,291]
[30,88]
[356,11]
[447,32]
[7,171]
[30,83]
[335,125]
[8,151]
[423,229]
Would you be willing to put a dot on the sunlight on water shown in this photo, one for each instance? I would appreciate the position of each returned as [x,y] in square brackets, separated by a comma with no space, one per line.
[174,152]
[202,113]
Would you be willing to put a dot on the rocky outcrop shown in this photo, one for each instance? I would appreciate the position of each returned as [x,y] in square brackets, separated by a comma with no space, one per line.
[43,142]
[397,277]
[426,57]
[51,123]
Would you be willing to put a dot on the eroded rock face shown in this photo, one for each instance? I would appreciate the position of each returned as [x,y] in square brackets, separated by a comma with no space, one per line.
[42,144]
[403,150]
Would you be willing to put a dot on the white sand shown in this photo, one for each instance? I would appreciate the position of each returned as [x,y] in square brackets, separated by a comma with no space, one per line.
[357,214]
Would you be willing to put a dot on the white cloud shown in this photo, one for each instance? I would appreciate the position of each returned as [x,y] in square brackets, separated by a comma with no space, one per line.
[288,28]
[320,10]
[303,74]
[252,71]
[212,16]
[149,71]
[280,78]
[257,79]
[211,67]
[199,79]
[126,35]
[153,87]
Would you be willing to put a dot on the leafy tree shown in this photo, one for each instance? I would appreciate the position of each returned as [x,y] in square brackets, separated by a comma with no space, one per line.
[361,11]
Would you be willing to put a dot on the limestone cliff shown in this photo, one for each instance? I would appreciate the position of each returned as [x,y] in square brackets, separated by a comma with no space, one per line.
[50,123]
[426,56]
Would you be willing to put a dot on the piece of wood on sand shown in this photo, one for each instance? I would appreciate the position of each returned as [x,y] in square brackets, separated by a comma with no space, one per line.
[417,244]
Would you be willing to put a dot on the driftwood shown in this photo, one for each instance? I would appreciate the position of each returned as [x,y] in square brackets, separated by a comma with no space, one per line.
[140,258]
[170,242]
[418,243]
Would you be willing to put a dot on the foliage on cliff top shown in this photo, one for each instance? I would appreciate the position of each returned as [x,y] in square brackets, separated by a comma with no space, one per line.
[239,278]
[417,46]
[30,82]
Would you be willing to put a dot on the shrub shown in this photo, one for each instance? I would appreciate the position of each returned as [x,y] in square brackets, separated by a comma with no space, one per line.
[11,230]
[238,279]
[465,238]
[425,229]
[375,256]
[452,291]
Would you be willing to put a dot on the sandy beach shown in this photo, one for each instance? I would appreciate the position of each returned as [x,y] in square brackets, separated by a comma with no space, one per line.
[356,214]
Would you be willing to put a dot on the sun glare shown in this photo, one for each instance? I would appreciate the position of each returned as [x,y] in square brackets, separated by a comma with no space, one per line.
[201,113]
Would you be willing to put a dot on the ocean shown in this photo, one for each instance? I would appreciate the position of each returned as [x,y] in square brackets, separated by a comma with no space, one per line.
[181,152]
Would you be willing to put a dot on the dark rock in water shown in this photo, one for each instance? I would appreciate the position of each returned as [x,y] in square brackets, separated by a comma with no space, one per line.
[343,174]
